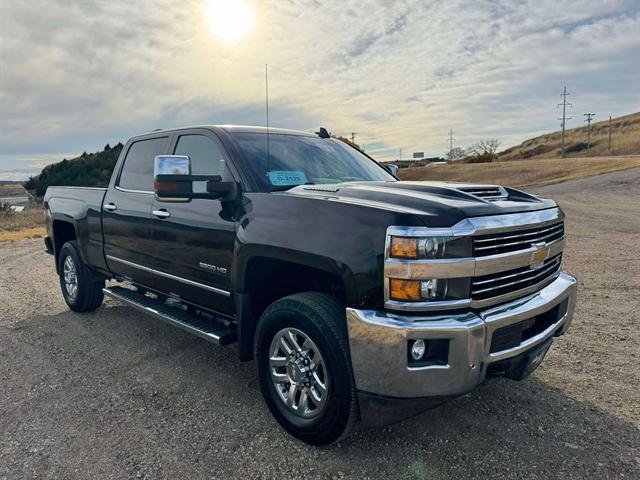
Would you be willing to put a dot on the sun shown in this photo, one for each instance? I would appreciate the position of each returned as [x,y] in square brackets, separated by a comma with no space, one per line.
[229,20]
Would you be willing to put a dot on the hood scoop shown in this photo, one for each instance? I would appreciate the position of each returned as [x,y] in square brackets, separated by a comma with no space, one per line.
[491,193]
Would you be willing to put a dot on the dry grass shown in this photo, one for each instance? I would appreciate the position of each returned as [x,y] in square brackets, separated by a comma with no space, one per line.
[34,232]
[521,173]
[26,224]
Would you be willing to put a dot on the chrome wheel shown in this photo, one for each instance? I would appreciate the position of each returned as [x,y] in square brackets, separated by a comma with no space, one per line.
[298,372]
[70,278]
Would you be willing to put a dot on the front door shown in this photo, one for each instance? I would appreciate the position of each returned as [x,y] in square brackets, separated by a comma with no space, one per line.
[126,210]
[192,242]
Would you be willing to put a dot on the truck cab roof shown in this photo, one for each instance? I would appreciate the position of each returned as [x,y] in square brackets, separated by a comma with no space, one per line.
[230,129]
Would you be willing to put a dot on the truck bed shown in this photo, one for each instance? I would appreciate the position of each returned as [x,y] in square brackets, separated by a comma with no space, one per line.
[80,207]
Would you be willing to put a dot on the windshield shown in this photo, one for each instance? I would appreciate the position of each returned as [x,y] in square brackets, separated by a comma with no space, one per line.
[298,160]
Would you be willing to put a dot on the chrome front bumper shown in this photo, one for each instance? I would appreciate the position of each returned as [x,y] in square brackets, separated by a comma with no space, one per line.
[379,341]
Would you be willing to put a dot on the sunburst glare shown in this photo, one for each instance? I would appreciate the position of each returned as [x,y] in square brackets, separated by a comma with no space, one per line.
[230,20]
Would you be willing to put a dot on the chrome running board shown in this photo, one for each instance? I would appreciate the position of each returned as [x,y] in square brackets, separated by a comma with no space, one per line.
[210,329]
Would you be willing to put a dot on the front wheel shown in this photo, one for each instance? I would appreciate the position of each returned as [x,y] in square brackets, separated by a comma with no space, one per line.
[304,367]
[81,288]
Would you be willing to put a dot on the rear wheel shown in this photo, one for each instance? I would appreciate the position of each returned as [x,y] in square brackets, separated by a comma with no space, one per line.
[81,288]
[304,367]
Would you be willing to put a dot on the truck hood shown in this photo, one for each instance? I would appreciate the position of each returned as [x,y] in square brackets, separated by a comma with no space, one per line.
[437,204]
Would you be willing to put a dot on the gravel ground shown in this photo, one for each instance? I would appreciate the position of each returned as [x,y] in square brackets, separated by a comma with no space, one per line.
[114,394]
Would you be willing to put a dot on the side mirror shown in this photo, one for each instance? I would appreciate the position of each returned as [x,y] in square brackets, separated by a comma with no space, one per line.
[393,170]
[173,181]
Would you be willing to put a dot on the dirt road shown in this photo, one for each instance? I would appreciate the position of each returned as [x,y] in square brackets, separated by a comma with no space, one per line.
[115,394]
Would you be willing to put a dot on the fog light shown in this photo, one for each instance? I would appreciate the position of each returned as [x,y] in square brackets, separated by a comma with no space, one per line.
[417,349]
[434,288]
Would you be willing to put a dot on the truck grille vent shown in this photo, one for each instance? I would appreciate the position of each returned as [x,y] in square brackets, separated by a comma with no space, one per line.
[497,284]
[486,193]
[496,243]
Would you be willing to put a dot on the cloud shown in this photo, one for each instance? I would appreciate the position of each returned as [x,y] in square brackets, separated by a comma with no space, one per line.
[369,38]
[77,75]
[19,167]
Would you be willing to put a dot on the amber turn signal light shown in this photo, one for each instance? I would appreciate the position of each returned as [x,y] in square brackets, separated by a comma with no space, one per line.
[408,290]
[404,247]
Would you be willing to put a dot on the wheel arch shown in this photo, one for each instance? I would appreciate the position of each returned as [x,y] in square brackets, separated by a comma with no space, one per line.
[257,288]
[63,232]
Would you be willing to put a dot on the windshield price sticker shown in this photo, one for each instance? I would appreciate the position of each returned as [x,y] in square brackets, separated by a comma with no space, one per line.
[287,177]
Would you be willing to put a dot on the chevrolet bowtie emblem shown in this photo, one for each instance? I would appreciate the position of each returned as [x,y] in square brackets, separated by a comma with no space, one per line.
[539,255]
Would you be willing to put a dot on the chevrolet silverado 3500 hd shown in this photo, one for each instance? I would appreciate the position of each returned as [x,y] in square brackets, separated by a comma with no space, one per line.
[362,298]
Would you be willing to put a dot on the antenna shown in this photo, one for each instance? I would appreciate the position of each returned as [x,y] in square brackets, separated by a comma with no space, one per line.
[266,94]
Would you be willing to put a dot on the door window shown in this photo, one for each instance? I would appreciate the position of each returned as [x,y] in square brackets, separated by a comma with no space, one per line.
[137,172]
[206,157]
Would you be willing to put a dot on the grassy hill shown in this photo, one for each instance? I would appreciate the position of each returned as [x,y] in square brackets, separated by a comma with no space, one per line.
[87,170]
[625,140]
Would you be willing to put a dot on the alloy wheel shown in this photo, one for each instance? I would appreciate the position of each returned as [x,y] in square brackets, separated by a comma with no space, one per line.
[298,372]
[70,278]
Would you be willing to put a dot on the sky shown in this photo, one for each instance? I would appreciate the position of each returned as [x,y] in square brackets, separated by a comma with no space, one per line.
[76,75]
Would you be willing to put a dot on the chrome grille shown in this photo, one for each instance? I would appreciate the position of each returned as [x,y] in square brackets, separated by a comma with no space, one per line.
[513,240]
[497,284]
[493,244]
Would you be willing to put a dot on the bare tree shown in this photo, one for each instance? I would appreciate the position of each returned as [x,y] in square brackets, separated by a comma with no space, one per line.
[456,153]
[485,150]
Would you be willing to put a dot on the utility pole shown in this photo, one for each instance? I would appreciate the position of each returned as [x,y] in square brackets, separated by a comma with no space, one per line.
[450,140]
[353,137]
[609,133]
[564,119]
[400,155]
[588,120]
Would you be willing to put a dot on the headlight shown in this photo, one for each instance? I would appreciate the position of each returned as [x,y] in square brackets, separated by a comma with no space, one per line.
[429,290]
[430,247]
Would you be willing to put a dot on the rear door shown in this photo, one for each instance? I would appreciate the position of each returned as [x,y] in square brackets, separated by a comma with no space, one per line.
[126,211]
[193,241]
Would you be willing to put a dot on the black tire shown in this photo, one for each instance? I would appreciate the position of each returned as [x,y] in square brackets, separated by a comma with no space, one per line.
[321,318]
[89,294]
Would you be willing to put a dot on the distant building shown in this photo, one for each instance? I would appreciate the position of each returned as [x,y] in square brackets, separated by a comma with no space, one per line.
[16,195]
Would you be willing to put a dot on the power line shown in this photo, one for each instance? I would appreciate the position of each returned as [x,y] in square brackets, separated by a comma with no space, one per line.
[564,118]
[588,120]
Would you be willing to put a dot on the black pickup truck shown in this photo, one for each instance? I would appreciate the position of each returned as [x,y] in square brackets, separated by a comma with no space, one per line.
[362,298]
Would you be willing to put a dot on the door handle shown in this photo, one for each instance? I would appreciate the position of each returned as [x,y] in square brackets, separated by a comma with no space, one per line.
[161,213]
[110,207]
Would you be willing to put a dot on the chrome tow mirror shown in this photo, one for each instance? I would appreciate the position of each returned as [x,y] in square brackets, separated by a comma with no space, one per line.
[173,181]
